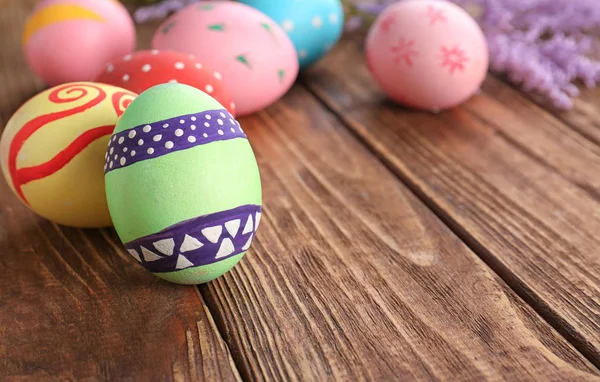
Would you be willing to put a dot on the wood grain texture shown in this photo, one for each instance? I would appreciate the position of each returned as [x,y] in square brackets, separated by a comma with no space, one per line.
[353,278]
[74,305]
[517,184]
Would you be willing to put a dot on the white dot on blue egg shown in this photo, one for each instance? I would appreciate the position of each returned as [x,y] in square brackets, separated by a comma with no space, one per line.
[317,22]
[288,25]
[333,18]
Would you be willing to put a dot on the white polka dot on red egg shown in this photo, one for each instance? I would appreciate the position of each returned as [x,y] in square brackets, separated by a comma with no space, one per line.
[198,66]
[110,68]
[126,78]
[209,88]
[218,76]
[232,105]
[172,81]
[179,65]
[154,52]
[146,68]
[127,58]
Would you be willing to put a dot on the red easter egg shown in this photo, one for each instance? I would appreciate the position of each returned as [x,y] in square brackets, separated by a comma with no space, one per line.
[142,70]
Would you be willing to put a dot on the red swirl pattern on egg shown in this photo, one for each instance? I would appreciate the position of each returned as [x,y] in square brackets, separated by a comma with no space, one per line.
[64,94]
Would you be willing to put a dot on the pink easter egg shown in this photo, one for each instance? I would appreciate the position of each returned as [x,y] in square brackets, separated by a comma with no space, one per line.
[72,40]
[428,54]
[256,57]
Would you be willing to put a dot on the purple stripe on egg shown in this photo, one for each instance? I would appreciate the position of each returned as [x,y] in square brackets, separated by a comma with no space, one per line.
[160,138]
[200,241]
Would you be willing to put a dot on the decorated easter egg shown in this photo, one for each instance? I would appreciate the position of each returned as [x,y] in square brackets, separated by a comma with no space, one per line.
[144,69]
[314,26]
[71,40]
[255,56]
[182,184]
[52,151]
[427,54]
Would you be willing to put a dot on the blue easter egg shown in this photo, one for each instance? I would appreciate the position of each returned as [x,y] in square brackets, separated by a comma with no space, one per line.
[314,26]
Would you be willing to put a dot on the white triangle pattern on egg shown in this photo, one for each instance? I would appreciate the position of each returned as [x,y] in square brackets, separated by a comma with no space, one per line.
[225,249]
[183,262]
[258,216]
[233,227]
[247,245]
[213,233]
[165,246]
[190,244]
[149,255]
[135,255]
[249,225]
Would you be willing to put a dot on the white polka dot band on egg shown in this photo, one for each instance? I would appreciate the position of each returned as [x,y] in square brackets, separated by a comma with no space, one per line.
[185,136]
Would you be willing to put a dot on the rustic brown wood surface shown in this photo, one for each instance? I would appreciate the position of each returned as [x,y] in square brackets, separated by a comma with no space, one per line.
[517,184]
[352,276]
[74,305]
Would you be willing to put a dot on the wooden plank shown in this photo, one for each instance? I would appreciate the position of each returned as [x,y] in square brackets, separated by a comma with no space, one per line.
[353,278]
[515,183]
[73,304]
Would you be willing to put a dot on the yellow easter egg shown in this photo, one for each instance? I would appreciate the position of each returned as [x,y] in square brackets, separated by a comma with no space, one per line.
[53,151]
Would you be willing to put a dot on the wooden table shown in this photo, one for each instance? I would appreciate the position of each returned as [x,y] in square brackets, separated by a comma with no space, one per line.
[396,245]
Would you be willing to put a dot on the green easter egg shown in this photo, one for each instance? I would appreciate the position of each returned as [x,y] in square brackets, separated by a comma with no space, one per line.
[182,184]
